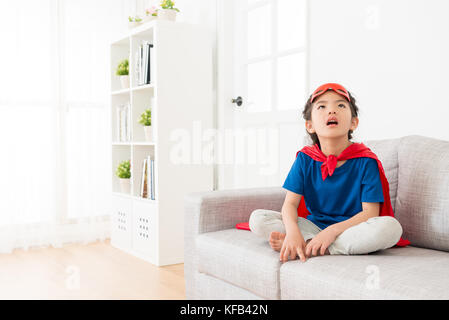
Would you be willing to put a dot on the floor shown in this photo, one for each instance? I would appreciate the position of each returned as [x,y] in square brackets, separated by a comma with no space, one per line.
[92,271]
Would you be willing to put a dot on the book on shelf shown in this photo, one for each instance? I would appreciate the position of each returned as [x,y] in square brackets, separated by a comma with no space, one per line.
[149,47]
[143,180]
[143,63]
[147,179]
[123,113]
[153,191]
[128,122]
[117,125]
[137,66]
[150,178]
[140,65]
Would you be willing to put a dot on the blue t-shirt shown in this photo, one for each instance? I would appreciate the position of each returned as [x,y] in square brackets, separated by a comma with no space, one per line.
[340,196]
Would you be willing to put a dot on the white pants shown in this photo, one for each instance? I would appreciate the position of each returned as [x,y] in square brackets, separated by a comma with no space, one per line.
[377,233]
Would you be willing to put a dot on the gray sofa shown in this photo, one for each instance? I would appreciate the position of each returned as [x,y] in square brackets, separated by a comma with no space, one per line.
[222,262]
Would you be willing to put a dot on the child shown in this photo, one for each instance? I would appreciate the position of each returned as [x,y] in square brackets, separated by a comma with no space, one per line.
[345,191]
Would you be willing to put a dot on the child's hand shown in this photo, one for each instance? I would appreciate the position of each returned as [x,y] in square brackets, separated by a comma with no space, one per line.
[321,242]
[293,245]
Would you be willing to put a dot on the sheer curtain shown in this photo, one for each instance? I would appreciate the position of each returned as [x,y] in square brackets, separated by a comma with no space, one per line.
[54,120]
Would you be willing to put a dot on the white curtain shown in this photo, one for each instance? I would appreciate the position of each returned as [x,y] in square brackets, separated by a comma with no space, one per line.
[56,173]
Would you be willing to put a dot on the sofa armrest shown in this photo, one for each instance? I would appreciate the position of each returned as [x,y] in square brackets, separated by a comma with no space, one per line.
[222,209]
[218,210]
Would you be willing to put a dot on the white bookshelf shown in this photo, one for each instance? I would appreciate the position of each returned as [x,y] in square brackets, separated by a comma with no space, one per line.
[181,92]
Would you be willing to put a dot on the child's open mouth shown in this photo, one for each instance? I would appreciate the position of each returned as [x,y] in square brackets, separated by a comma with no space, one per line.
[332,123]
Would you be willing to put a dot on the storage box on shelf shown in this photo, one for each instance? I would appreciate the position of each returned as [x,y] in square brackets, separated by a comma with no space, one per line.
[181,71]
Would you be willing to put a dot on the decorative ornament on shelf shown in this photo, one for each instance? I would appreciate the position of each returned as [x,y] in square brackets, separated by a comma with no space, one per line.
[124,174]
[134,21]
[150,14]
[167,11]
[123,73]
[145,120]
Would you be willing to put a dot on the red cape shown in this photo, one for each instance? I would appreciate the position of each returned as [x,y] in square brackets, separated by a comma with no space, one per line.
[355,150]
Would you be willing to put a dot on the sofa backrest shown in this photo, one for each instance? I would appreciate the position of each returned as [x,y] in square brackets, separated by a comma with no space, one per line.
[418,175]
[387,152]
[422,201]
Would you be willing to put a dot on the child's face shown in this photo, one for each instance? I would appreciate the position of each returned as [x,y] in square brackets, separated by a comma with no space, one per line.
[331,104]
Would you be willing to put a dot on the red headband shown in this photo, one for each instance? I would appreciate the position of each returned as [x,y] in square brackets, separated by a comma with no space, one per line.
[330,86]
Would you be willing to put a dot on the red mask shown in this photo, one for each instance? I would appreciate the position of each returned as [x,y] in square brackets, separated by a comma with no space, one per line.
[330,86]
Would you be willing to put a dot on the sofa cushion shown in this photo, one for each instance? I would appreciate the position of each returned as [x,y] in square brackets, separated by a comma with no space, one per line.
[422,204]
[387,153]
[395,273]
[212,288]
[241,258]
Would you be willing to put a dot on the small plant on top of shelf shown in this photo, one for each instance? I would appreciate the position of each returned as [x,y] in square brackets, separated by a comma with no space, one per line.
[123,72]
[145,120]
[134,21]
[168,4]
[150,14]
[168,11]
[124,173]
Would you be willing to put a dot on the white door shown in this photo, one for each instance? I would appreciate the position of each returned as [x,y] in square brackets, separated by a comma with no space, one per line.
[262,54]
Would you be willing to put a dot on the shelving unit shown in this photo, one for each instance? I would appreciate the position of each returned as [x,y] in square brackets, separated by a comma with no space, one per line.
[179,94]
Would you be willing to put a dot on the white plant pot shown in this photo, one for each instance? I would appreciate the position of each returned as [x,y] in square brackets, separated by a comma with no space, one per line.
[133,24]
[124,81]
[148,133]
[149,18]
[167,14]
[125,185]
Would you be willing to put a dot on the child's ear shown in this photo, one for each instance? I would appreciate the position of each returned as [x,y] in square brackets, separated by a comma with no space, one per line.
[355,123]
[309,126]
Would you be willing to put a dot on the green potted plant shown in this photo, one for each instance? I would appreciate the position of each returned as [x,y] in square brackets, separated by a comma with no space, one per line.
[123,172]
[145,120]
[167,11]
[123,72]
[150,14]
[134,21]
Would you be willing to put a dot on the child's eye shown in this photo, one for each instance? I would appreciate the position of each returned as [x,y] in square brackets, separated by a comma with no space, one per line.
[341,104]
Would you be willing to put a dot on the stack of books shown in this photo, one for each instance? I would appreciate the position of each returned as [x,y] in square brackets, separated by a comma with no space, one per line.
[147,179]
[143,63]
[123,123]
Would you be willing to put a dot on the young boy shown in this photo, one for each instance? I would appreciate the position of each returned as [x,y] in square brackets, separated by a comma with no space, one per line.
[344,191]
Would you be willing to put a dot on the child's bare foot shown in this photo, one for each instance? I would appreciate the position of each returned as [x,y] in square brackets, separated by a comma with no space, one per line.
[276,240]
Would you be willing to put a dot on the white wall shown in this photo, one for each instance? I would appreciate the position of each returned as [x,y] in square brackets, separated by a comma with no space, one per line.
[393,55]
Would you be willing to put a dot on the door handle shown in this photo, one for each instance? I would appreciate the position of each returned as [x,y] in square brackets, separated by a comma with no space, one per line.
[238,101]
